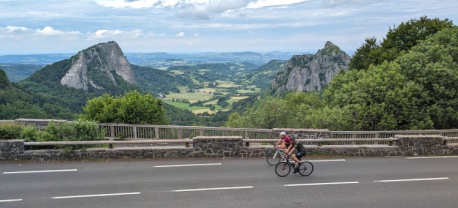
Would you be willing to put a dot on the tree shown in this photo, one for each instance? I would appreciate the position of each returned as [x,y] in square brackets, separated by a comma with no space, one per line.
[380,98]
[433,64]
[398,41]
[131,108]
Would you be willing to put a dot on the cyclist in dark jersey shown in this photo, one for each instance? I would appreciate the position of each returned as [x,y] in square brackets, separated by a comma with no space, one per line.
[300,152]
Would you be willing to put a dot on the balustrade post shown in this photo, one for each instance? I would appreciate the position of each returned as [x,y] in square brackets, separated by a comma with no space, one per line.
[179,133]
[156,132]
[134,131]
[112,131]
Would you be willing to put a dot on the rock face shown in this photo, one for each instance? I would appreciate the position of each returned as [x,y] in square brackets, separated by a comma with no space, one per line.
[103,59]
[311,72]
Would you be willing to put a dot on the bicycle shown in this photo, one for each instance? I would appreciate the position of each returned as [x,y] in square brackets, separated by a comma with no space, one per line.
[282,169]
[273,158]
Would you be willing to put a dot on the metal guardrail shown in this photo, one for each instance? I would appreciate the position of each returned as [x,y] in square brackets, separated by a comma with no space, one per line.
[389,134]
[130,131]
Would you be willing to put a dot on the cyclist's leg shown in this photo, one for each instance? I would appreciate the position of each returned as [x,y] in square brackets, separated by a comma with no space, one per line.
[299,155]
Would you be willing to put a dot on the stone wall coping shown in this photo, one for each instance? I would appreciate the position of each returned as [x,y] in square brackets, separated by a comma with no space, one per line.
[299,130]
[218,137]
[11,140]
[138,148]
[418,136]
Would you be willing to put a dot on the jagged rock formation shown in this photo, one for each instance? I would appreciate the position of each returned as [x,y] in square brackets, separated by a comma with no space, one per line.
[311,72]
[101,60]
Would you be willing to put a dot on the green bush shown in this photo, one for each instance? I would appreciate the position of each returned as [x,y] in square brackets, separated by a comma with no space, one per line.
[71,131]
[9,130]
[28,133]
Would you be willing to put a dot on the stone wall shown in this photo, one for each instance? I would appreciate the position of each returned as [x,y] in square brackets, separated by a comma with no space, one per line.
[412,145]
[11,149]
[217,146]
[229,146]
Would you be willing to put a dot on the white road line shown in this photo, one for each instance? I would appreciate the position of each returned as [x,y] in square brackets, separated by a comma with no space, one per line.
[321,184]
[212,189]
[413,179]
[336,160]
[94,195]
[434,157]
[10,200]
[41,171]
[186,165]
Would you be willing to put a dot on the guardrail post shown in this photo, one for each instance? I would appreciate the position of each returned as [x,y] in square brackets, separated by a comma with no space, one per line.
[134,131]
[112,131]
[156,132]
[179,133]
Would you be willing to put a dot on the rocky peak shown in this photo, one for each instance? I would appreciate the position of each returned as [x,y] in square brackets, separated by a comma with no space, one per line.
[312,72]
[101,60]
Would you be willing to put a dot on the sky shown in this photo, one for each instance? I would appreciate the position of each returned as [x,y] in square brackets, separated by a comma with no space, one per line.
[189,26]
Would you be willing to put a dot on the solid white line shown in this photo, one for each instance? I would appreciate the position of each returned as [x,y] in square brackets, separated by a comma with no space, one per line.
[186,165]
[94,195]
[320,184]
[212,189]
[41,171]
[11,200]
[434,157]
[336,160]
[413,179]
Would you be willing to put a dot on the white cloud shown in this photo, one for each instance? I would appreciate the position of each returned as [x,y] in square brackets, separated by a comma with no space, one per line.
[180,34]
[14,29]
[268,3]
[49,31]
[101,34]
[196,9]
[196,34]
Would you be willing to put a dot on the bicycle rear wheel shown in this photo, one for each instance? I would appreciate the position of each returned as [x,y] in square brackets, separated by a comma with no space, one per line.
[282,169]
[271,160]
[306,168]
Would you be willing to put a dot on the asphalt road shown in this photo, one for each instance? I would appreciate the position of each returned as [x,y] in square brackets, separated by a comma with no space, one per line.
[335,182]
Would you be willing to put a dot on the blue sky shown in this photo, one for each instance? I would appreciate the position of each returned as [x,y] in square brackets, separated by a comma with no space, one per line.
[183,26]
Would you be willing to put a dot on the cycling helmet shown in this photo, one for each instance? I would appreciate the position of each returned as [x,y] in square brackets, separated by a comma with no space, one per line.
[292,137]
[282,133]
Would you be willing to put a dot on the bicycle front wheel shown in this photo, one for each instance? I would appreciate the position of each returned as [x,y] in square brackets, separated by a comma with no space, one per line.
[273,159]
[282,169]
[306,168]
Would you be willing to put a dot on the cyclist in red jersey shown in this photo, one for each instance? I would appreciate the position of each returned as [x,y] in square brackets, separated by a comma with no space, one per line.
[284,142]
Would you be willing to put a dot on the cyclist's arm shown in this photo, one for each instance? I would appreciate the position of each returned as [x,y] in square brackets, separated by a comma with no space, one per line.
[290,149]
[278,142]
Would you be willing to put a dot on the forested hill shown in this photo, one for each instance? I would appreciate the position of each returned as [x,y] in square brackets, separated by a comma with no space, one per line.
[16,102]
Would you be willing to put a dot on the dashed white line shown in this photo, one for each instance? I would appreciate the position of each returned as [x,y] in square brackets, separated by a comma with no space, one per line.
[186,165]
[41,171]
[11,200]
[412,179]
[336,160]
[434,157]
[322,184]
[95,195]
[212,189]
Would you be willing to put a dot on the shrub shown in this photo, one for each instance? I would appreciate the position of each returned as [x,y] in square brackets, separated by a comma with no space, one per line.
[9,130]
[28,133]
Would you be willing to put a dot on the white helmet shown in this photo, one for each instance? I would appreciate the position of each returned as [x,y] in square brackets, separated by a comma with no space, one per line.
[282,133]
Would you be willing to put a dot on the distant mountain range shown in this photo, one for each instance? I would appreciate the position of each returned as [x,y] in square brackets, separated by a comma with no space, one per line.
[160,59]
